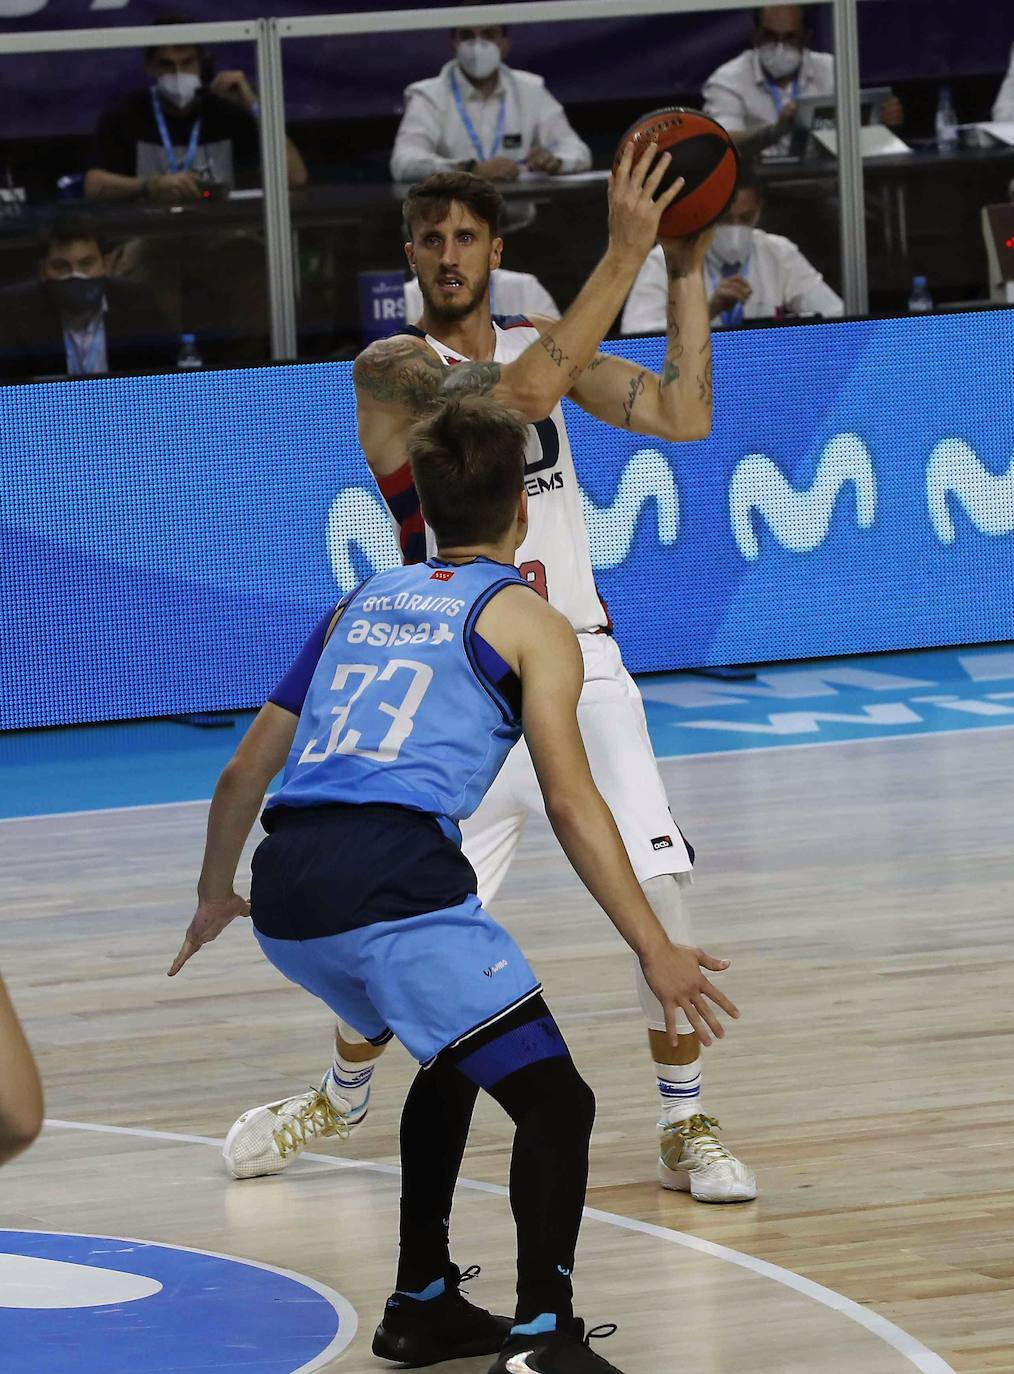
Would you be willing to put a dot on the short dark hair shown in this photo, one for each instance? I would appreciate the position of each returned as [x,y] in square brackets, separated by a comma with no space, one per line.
[501,27]
[169,19]
[468,463]
[759,11]
[430,200]
[73,226]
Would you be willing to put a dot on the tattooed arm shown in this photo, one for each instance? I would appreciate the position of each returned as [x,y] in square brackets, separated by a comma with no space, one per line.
[677,404]
[398,380]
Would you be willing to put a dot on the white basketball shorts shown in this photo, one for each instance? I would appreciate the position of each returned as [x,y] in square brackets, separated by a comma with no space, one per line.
[611,716]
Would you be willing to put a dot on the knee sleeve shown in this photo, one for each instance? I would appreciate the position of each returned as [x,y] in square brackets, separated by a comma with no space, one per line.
[523,1062]
[667,899]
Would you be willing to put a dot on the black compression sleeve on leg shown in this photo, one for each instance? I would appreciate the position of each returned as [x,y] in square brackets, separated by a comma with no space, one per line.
[434,1127]
[524,1064]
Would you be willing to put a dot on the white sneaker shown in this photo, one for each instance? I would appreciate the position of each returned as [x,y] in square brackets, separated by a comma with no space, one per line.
[265,1140]
[692,1160]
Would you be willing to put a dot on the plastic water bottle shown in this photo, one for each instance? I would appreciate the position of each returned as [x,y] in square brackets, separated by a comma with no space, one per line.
[189,359]
[920,302]
[946,122]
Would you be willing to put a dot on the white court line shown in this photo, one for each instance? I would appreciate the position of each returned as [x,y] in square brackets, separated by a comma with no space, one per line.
[907,1346]
[348,1319]
[659,758]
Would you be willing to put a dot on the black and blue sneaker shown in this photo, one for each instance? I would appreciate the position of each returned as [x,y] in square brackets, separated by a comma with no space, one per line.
[554,1352]
[416,1332]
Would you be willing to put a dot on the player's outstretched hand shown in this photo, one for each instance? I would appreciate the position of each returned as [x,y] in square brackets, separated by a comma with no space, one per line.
[674,974]
[210,919]
[634,210]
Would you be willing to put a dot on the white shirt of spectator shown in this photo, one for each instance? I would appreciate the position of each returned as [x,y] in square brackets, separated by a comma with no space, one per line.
[85,348]
[432,136]
[739,95]
[510,293]
[783,282]
[1003,110]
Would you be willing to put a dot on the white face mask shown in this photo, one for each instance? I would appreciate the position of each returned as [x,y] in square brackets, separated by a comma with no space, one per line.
[779,60]
[479,57]
[731,244]
[179,88]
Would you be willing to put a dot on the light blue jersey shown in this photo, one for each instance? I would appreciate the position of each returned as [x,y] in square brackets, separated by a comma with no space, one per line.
[407,704]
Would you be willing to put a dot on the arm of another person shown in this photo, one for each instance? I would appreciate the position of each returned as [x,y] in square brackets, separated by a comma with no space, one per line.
[645,310]
[1003,110]
[415,153]
[397,380]
[109,177]
[20,1089]
[555,136]
[804,290]
[552,674]
[675,404]
[724,103]
[239,795]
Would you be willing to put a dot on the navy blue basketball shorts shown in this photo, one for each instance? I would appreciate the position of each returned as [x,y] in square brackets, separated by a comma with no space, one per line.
[373,910]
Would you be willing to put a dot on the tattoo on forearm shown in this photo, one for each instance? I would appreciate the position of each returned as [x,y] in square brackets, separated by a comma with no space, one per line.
[470,379]
[597,361]
[635,390]
[561,359]
[670,372]
[397,371]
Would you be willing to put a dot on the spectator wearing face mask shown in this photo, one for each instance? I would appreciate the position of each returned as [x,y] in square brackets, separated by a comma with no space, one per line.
[479,115]
[75,320]
[750,274]
[184,133]
[754,96]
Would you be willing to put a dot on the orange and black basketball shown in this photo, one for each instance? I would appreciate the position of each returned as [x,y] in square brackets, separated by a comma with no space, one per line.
[702,153]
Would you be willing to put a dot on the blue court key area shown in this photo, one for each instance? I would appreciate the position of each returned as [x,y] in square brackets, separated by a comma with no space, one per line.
[101,1305]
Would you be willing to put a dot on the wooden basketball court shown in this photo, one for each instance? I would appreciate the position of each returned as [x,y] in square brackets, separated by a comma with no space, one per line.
[864,894]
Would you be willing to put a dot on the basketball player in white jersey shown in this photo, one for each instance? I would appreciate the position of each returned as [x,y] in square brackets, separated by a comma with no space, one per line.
[529,365]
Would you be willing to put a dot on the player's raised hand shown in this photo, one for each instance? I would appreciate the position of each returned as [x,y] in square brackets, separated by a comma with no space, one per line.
[674,974]
[210,919]
[634,207]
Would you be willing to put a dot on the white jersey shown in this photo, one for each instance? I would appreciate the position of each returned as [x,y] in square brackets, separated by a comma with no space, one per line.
[555,557]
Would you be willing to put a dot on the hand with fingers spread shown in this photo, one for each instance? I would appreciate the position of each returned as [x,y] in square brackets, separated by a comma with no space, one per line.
[674,974]
[634,208]
[210,919]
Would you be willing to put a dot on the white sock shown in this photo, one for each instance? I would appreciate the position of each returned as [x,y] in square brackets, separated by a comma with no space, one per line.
[349,1081]
[679,1087]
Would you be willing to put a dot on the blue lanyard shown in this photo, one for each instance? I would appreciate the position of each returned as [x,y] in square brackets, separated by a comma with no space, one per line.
[466,119]
[734,315]
[85,364]
[776,91]
[167,143]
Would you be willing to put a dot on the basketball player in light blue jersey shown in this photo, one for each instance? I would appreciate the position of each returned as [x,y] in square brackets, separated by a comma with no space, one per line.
[530,365]
[425,680]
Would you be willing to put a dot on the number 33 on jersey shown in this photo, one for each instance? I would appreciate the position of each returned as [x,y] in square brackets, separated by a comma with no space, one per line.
[402,660]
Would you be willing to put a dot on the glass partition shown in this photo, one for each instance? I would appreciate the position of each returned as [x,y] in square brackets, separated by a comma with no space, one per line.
[932,76]
[540,109]
[131,210]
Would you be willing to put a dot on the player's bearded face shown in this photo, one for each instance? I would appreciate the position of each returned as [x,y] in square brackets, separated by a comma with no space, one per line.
[453,260]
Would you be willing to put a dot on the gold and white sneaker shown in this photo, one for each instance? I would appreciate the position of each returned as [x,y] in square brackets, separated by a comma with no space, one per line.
[265,1140]
[693,1160]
